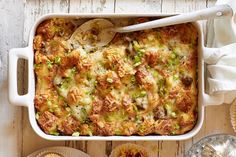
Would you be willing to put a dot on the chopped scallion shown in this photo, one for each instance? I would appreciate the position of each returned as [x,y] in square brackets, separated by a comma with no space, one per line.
[57,60]
[49,64]
[54,133]
[110,80]
[76,134]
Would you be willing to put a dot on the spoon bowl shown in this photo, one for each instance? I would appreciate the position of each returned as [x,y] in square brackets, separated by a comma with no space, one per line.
[99,32]
[93,33]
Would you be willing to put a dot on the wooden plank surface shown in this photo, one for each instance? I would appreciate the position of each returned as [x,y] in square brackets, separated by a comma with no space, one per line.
[32,10]
[24,139]
[10,116]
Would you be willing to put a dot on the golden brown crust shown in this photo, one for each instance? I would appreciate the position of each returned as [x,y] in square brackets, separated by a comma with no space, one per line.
[139,84]
[68,126]
[48,122]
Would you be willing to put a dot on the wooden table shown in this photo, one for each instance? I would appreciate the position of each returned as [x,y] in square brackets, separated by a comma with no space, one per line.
[17,16]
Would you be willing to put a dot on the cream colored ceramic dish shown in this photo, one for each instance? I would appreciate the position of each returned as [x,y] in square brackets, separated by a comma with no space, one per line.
[28,99]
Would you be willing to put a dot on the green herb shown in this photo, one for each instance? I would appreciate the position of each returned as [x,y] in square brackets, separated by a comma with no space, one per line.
[73,70]
[53,132]
[173,132]
[110,80]
[90,133]
[141,51]
[139,94]
[168,107]
[148,67]
[173,114]
[116,116]
[93,97]
[135,95]
[65,84]
[161,87]
[57,110]
[138,118]
[49,103]
[172,55]
[89,76]
[57,60]
[94,88]
[139,55]
[51,110]
[142,129]
[135,108]
[136,45]
[155,73]
[143,93]
[76,134]
[173,62]
[137,64]
[174,59]
[170,111]
[176,77]
[133,79]
[118,132]
[62,98]
[137,59]
[87,92]
[37,66]
[49,64]
[95,83]
[83,115]
[177,127]
[54,43]
[57,29]
[55,105]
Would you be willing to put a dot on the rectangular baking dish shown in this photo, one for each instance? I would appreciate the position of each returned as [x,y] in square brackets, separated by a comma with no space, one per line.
[27,100]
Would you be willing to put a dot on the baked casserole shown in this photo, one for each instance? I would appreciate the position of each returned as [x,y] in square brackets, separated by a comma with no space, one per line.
[141,83]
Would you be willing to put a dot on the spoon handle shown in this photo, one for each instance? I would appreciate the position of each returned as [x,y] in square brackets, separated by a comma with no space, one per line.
[213,12]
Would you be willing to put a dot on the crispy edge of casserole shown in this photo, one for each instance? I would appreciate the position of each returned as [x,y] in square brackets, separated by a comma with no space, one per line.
[142,83]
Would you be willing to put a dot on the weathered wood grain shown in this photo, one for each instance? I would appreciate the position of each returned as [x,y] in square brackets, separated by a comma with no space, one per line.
[138,6]
[91,6]
[33,10]
[10,116]
[182,6]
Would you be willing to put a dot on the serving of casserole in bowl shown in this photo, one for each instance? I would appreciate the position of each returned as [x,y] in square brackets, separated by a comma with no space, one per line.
[145,85]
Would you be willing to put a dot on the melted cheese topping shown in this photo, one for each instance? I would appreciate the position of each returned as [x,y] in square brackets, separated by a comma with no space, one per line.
[141,83]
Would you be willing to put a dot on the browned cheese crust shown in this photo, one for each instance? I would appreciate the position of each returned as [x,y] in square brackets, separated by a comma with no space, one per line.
[141,83]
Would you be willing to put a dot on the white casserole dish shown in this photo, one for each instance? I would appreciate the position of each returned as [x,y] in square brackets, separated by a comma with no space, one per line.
[28,99]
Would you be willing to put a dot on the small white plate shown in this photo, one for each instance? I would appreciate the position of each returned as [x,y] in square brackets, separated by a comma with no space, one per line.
[65,151]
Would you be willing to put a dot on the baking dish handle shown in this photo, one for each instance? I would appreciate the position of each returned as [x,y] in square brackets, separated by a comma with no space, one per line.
[14,97]
[211,56]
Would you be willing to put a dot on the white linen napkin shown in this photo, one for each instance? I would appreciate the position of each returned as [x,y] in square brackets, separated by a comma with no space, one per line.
[221,62]
[222,68]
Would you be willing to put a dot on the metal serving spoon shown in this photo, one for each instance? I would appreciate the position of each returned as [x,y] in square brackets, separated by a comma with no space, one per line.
[103,31]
